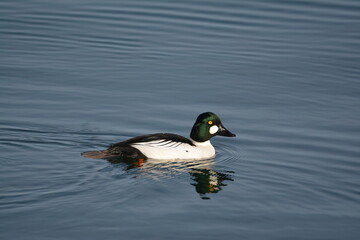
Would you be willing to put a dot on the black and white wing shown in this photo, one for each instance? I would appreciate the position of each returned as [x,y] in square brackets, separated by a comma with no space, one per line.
[161,140]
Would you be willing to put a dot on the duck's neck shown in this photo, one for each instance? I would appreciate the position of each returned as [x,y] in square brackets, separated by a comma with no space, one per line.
[202,144]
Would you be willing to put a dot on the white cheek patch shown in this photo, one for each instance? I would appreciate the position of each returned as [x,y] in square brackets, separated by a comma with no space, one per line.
[213,129]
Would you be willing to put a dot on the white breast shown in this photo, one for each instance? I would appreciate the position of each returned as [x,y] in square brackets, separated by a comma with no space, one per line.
[170,150]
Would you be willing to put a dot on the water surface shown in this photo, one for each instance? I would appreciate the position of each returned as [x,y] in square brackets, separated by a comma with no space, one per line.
[80,75]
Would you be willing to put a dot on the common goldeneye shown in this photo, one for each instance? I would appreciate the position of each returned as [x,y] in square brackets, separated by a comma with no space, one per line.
[170,146]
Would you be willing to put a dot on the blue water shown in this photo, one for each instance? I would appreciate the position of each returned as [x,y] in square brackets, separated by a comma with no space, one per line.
[80,75]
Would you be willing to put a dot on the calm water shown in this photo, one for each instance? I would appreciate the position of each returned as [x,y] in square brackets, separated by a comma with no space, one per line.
[80,75]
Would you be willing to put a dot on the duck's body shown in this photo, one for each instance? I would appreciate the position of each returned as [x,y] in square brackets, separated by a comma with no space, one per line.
[169,146]
[172,146]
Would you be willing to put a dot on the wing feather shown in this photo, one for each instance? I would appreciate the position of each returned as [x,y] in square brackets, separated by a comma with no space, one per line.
[157,139]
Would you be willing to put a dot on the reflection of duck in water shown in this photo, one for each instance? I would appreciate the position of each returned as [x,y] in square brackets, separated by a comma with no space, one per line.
[205,179]
[209,181]
[168,146]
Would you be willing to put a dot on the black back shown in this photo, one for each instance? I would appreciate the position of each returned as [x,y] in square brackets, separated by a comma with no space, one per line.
[153,137]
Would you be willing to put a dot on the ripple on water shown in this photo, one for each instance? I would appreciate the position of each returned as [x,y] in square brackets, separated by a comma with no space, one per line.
[311,165]
[63,176]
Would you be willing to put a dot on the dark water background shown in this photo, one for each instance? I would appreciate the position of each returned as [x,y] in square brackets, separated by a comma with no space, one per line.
[80,75]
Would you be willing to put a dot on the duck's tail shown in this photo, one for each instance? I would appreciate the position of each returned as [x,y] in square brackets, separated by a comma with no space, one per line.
[97,154]
[127,152]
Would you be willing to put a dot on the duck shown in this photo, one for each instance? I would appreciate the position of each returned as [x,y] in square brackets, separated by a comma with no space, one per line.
[169,146]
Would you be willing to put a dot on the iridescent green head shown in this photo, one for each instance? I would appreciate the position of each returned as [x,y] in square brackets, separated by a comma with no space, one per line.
[208,125]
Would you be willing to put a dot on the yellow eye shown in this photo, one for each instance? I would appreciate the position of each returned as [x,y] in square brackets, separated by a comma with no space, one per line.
[210,122]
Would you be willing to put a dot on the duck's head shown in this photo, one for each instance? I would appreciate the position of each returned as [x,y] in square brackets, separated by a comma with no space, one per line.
[208,125]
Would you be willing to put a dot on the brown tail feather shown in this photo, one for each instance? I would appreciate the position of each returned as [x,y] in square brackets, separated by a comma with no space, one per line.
[97,154]
[127,152]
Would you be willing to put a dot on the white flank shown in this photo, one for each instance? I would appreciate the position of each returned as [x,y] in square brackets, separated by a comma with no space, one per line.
[175,150]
